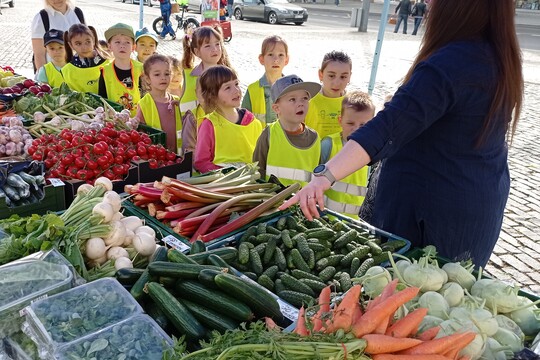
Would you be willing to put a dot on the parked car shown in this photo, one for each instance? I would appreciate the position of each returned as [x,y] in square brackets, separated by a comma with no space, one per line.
[11,3]
[272,11]
[195,5]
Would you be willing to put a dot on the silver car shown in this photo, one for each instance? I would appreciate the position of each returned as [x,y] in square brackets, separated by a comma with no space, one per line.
[272,11]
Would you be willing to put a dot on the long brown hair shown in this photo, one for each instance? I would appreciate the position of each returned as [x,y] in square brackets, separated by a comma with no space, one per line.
[210,82]
[492,21]
[81,29]
[198,38]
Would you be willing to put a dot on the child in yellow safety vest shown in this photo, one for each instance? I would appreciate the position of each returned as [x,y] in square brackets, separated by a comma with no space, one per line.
[175,87]
[158,108]
[288,148]
[120,79]
[227,135]
[325,107]
[205,43]
[191,121]
[81,73]
[346,196]
[50,73]
[274,56]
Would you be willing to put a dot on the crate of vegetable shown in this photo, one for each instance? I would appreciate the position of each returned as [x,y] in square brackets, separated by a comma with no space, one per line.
[25,281]
[155,169]
[138,337]
[81,311]
[296,258]
[157,136]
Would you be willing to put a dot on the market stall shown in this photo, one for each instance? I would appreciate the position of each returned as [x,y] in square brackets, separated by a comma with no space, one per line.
[138,259]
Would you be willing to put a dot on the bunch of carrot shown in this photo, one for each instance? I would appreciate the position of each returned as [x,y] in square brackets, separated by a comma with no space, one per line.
[386,340]
[201,208]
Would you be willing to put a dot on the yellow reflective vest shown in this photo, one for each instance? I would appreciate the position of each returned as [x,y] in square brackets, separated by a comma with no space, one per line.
[258,101]
[151,117]
[287,162]
[82,79]
[347,195]
[189,97]
[54,77]
[323,114]
[233,143]
[119,92]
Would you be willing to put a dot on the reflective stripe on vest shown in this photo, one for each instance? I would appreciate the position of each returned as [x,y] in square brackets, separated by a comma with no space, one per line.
[258,101]
[54,77]
[347,195]
[323,114]
[82,79]
[151,117]
[288,162]
[189,97]
[233,143]
[118,92]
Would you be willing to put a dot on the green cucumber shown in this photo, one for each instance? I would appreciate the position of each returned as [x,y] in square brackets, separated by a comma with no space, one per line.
[327,273]
[176,256]
[157,314]
[315,285]
[128,276]
[251,275]
[299,274]
[207,276]
[243,253]
[198,246]
[315,246]
[269,250]
[286,239]
[296,285]
[280,260]
[299,261]
[175,270]
[324,233]
[176,312]
[251,231]
[313,224]
[290,223]
[271,272]
[360,252]
[211,319]
[261,229]
[218,261]
[355,264]
[255,262]
[345,239]
[265,281]
[261,301]
[272,230]
[375,249]
[278,286]
[303,247]
[332,260]
[137,290]
[215,299]
[393,245]
[281,223]
[345,281]
[296,298]
[369,262]
[227,253]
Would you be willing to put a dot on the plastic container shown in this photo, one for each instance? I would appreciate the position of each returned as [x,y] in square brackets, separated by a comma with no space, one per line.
[19,347]
[24,281]
[73,314]
[138,337]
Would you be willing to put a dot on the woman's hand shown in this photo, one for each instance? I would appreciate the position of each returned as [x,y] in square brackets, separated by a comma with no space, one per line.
[309,197]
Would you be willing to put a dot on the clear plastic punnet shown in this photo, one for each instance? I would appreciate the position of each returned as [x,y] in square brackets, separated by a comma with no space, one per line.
[24,281]
[76,313]
[137,338]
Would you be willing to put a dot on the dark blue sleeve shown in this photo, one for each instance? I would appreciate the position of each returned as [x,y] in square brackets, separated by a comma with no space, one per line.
[427,96]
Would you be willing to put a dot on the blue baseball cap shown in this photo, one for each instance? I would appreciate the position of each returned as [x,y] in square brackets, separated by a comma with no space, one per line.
[144,32]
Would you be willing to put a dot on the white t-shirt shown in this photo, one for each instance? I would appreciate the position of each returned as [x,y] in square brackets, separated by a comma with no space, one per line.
[57,20]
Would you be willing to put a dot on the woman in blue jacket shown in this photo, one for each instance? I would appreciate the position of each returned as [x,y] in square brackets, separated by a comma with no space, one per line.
[444,135]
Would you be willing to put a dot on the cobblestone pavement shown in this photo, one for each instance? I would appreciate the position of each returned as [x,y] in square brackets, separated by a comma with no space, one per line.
[516,256]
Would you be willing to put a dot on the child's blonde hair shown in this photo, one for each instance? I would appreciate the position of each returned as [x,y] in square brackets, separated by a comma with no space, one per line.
[154,58]
[198,38]
[210,82]
[338,56]
[81,29]
[270,42]
[358,101]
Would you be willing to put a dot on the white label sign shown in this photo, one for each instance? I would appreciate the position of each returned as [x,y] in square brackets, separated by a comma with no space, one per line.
[287,310]
[56,182]
[175,243]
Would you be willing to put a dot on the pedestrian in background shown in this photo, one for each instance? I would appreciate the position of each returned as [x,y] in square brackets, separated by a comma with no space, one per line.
[418,12]
[403,10]
[444,135]
[165,7]
[230,9]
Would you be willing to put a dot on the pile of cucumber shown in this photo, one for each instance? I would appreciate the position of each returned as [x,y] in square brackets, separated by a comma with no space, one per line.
[193,294]
[296,258]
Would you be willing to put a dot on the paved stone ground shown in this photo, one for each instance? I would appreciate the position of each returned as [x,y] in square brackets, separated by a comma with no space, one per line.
[516,256]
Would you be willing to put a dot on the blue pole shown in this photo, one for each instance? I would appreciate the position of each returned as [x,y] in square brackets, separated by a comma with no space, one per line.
[380,37]
[141,13]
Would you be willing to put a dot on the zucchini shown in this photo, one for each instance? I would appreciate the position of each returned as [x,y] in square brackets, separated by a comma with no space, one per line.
[128,276]
[166,281]
[182,271]
[29,179]
[345,239]
[17,182]
[243,253]
[296,285]
[296,298]
[299,274]
[214,299]
[327,273]
[265,281]
[360,252]
[369,262]
[315,285]
[176,256]
[298,260]
[157,314]
[206,277]
[176,312]
[11,193]
[137,290]
[216,260]
[262,302]
[197,246]
[211,319]
[227,253]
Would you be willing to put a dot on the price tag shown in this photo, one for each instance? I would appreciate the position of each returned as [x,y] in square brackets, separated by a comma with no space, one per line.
[175,243]
[56,182]
[287,310]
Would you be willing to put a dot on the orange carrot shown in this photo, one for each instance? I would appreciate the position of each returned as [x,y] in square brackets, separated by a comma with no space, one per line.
[442,345]
[429,334]
[465,357]
[372,318]
[459,344]
[383,344]
[408,325]
[408,357]
[343,314]
[270,324]
[301,328]
[383,326]
[324,307]
[357,313]
[387,291]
